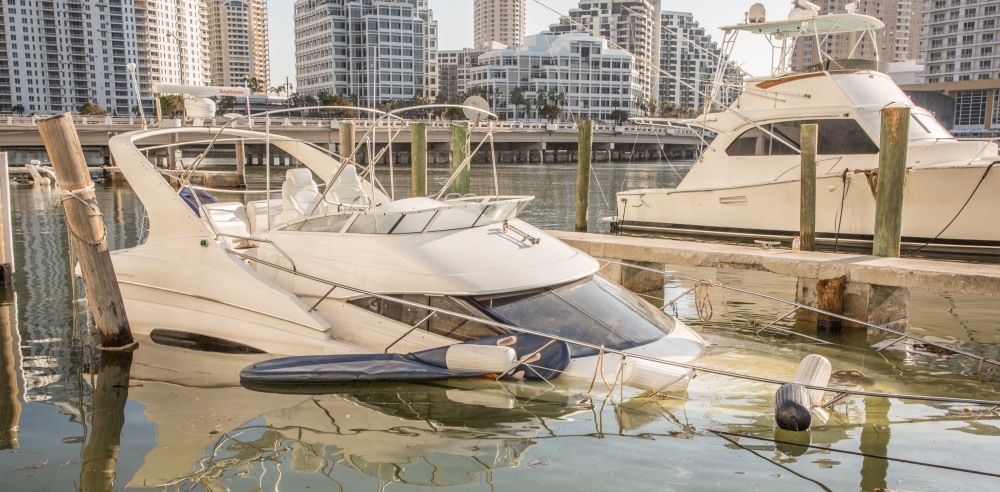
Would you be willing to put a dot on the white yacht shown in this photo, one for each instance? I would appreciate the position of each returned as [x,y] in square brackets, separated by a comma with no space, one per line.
[746,182]
[333,264]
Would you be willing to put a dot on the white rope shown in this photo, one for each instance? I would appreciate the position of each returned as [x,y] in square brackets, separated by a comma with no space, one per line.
[78,195]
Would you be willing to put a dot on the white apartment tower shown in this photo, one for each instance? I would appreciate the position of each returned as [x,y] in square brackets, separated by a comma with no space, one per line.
[369,51]
[58,55]
[171,47]
[455,71]
[630,25]
[689,59]
[499,21]
[237,38]
[960,41]
[576,71]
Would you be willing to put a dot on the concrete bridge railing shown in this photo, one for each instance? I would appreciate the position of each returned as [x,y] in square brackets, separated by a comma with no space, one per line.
[133,122]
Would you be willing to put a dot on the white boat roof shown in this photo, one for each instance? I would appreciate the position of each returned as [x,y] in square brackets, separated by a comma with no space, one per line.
[818,25]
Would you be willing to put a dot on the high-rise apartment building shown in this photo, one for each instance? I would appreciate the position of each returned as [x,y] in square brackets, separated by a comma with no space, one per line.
[893,44]
[370,51]
[576,71]
[237,41]
[960,49]
[499,21]
[630,25]
[171,47]
[689,59]
[960,41]
[61,54]
[58,55]
[455,71]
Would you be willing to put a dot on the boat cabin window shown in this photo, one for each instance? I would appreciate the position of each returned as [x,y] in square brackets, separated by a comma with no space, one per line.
[835,137]
[439,324]
[593,310]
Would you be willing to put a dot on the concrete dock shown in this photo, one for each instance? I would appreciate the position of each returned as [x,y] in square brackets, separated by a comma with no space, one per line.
[929,275]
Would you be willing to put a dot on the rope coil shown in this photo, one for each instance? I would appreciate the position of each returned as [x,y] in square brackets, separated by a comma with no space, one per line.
[78,193]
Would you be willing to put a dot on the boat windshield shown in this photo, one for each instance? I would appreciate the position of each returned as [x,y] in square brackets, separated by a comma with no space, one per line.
[592,310]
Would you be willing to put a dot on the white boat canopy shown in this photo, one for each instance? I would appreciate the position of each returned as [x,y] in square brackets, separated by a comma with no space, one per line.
[811,26]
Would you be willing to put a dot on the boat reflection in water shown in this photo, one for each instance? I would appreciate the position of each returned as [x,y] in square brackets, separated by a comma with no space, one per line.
[433,435]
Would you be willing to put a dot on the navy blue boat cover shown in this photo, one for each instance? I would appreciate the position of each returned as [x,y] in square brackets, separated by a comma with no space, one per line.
[426,365]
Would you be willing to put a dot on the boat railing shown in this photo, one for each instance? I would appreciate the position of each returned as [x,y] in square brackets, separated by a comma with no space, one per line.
[250,240]
[461,213]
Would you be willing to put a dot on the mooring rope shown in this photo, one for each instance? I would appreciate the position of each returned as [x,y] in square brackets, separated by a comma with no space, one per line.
[78,195]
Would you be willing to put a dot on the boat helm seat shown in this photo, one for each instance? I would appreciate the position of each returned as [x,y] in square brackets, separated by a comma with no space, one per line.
[346,192]
[299,194]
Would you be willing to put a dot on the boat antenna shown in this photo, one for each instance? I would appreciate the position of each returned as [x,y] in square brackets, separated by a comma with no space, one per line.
[138,98]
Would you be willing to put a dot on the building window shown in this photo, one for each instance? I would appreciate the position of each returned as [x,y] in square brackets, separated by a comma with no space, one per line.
[970,108]
[995,121]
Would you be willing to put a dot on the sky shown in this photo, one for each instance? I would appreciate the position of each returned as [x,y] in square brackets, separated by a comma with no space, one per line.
[455,27]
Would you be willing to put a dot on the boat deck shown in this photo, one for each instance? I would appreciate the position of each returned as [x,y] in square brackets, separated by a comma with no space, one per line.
[929,275]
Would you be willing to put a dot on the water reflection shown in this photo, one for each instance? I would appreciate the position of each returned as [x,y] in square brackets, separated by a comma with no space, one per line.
[11,379]
[429,435]
[100,456]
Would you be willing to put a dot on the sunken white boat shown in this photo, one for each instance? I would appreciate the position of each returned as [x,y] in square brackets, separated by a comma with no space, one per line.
[746,182]
[333,263]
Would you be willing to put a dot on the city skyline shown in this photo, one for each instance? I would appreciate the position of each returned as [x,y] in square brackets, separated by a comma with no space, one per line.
[753,55]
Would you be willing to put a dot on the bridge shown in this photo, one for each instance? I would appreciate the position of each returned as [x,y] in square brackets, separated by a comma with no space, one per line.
[514,141]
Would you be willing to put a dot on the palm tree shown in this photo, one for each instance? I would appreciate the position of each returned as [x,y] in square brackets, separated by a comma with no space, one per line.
[17,109]
[517,99]
[255,84]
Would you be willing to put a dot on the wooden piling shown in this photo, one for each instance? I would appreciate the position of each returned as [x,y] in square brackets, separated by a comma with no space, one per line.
[418,157]
[346,131]
[241,162]
[807,200]
[86,227]
[6,235]
[585,137]
[830,298]
[891,180]
[459,154]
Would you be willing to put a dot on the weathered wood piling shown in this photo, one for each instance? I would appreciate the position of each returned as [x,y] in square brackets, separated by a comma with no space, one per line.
[585,133]
[86,227]
[346,134]
[459,154]
[418,158]
[893,142]
[807,201]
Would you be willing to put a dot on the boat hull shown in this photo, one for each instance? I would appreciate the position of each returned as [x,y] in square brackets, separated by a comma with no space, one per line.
[944,208]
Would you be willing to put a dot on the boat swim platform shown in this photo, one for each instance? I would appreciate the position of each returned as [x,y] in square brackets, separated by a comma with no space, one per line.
[929,275]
